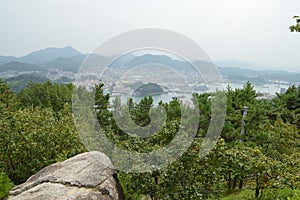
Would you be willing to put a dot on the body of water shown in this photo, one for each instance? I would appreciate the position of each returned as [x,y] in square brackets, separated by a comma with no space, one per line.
[269,89]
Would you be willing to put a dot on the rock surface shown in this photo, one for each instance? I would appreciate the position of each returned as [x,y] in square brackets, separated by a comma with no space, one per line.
[86,176]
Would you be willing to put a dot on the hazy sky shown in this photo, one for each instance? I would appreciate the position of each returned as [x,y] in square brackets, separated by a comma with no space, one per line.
[253,31]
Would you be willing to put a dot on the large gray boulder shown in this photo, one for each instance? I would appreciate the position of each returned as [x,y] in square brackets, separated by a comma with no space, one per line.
[86,176]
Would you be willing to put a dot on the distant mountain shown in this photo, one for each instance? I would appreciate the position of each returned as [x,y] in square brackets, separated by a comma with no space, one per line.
[43,55]
[65,63]
[19,82]
[239,64]
[20,66]
[117,61]
[258,76]
[94,60]
[61,64]
[64,59]
[208,70]
[49,54]
[157,59]
[6,59]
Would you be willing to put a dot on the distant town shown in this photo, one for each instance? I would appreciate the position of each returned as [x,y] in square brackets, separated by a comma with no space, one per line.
[63,65]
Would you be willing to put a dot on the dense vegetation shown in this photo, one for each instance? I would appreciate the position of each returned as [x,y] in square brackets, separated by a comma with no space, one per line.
[37,129]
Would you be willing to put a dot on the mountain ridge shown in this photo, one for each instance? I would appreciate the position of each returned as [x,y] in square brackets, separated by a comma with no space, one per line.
[43,55]
[65,62]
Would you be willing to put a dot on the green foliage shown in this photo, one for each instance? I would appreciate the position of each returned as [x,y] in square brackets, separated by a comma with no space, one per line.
[296,27]
[238,195]
[140,112]
[286,193]
[37,129]
[102,105]
[272,194]
[34,138]
[47,95]
[264,157]
[5,185]
[289,105]
[7,98]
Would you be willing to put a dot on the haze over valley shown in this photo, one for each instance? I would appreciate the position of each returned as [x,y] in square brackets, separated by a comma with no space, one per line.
[62,64]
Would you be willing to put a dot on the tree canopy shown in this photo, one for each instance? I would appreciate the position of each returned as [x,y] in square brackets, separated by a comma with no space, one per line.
[256,155]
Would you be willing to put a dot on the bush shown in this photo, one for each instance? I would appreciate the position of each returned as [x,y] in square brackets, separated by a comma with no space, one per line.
[272,194]
[33,138]
[244,194]
[5,185]
[286,193]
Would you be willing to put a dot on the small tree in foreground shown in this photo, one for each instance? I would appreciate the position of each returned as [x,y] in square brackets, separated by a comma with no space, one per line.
[5,185]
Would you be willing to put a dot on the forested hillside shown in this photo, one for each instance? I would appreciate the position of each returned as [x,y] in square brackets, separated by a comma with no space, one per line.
[37,129]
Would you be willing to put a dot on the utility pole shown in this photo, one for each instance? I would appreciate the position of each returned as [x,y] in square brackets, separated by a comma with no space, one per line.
[245,109]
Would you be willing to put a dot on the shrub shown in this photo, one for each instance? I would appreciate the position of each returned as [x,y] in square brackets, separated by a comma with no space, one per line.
[285,193]
[5,185]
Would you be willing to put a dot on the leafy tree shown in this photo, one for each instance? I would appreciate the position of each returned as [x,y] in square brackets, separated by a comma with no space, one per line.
[104,116]
[8,101]
[34,138]
[237,100]
[288,105]
[140,112]
[36,124]
[47,95]
[264,157]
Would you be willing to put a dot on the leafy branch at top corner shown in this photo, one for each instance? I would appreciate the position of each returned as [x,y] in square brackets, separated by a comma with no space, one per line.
[296,27]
